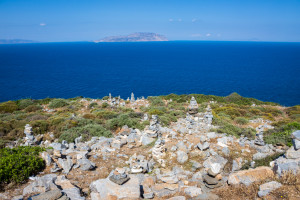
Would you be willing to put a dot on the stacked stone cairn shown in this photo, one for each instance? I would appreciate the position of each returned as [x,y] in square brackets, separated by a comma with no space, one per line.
[29,138]
[208,116]
[132,99]
[213,178]
[159,152]
[119,176]
[139,164]
[153,130]
[259,138]
[193,107]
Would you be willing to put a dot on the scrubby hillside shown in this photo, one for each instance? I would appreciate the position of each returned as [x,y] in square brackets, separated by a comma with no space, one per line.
[193,146]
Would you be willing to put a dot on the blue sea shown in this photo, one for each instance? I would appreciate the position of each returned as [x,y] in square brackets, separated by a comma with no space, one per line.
[263,70]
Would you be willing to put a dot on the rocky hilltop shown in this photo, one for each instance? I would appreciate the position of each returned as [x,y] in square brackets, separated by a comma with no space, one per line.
[174,147]
[135,37]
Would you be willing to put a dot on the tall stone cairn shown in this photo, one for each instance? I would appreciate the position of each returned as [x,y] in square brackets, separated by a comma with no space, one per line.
[193,107]
[29,139]
[132,97]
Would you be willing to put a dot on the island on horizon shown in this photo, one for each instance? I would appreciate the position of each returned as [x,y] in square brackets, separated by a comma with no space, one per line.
[16,41]
[134,37]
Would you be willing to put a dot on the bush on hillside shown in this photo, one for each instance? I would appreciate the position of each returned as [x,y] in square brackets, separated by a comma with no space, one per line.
[17,164]
[123,120]
[24,103]
[93,105]
[8,107]
[39,126]
[33,108]
[87,131]
[241,120]
[58,103]
[281,135]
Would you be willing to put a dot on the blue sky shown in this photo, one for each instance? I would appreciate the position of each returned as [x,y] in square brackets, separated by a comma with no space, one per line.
[85,20]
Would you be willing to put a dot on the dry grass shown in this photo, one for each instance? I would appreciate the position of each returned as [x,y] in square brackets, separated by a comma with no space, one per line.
[290,190]
[238,192]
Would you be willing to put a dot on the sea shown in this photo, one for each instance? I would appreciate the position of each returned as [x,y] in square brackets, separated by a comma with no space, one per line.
[268,71]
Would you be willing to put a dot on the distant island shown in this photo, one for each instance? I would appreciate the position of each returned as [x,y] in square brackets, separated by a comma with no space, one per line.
[16,41]
[134,37]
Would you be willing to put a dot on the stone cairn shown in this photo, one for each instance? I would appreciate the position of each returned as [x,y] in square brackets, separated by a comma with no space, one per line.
[193,107]
[213,178]
[29,138]
[138,164]
[208,117]
[153,130]
[259,138]
[159,152]
[119,176]
[132,99]
[145,118]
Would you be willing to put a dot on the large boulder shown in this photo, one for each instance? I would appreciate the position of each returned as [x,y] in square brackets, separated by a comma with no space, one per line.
[68,188]
[182,157]
[192,191]
[283,165]
[41,184]
[66,164]
[50,195]
[247,177]
[266,188]
[291,153]
[105,189]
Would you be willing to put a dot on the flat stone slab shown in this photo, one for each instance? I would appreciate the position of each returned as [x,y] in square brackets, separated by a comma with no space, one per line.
[249,176]
[266,188]
[50,195]
[104,189]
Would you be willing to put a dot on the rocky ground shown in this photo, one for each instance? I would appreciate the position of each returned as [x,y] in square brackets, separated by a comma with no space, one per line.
[185,160]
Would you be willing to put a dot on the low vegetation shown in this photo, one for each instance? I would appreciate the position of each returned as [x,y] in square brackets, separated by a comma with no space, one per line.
[73,117]
[17,164]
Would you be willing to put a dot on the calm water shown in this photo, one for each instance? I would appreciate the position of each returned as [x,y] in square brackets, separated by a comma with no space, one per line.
[266,71]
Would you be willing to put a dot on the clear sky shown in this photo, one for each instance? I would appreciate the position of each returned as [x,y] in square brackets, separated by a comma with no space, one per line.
[85,20]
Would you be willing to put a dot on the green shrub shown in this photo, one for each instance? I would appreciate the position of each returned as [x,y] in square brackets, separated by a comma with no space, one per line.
[105,114]
[44,101]
[104,105]
[93,105]
[281,135]
[87,131]
[226,127]
[8,107]
[241,120]
[39,126]
[24,103]
[155,112]
[123,120]
[58,103]
[89,116]
[17,164]
[33,108]
[156,101]
[263,162]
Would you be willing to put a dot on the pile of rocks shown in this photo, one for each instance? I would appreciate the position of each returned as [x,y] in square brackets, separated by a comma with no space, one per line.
[119,176]
[213,178]
[193,107]
[153,129]
[29,138]
[159,152]
[139,164]
[259,139]
[291,160]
